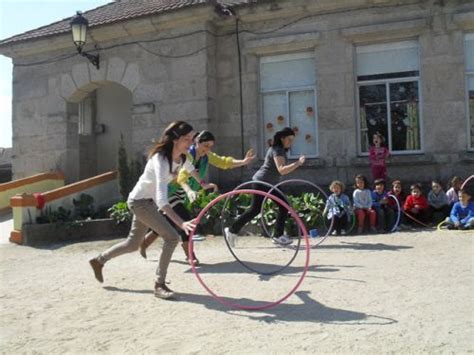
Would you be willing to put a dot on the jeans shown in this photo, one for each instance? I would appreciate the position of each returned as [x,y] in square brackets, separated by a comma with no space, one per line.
[146,216]
[255,208]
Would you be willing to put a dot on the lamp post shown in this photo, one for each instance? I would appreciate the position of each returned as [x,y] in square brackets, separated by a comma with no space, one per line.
[79,26]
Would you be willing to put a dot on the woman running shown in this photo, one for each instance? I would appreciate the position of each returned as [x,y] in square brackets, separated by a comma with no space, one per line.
[148,202]
[274,166]
[202,157]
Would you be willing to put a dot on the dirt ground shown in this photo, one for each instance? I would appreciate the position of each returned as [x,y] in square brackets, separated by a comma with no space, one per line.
[408,292]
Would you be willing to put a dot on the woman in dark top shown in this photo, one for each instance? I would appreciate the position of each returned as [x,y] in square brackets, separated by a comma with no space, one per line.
[274,166]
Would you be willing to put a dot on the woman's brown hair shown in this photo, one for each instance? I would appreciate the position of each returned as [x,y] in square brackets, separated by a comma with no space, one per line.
[165,144]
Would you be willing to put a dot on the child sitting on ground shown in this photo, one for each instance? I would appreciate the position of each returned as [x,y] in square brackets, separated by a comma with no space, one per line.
[416,205]
[380,205]
[397,192]
[438,202]
[362,198]
[453,192]
[462,213]
[338,206]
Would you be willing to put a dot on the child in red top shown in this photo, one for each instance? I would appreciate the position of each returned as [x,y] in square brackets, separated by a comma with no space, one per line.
[377,155]
[416,205]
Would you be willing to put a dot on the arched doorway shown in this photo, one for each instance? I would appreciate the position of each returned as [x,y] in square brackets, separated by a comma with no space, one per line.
[104,116]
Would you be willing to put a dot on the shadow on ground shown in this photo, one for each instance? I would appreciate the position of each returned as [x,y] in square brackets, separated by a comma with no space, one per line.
[309,310]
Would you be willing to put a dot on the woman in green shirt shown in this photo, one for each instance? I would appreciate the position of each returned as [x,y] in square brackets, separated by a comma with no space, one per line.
[186,184]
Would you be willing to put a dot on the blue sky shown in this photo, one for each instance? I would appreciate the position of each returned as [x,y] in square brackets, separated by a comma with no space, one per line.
[18,16]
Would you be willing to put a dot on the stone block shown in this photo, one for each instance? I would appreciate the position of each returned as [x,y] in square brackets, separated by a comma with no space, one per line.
[185,110]
[80,74]
[189,67]
[149,93]
[384,31]
[142,122]
[31,89]
[143,108]
[443,82]
[131,78]
[181,90]
[99,75]
[115,69]
[68,87]
[56,128]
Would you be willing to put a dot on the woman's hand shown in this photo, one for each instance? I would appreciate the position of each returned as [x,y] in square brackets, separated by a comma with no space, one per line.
[188,226]
[249,156]
[301,160]
[192,195]
[210,186]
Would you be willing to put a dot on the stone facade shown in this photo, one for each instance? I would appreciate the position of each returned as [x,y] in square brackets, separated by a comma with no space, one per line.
[5,164]
[192,74]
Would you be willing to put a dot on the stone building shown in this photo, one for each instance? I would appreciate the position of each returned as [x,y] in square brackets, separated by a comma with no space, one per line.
[5,164]
[335,70]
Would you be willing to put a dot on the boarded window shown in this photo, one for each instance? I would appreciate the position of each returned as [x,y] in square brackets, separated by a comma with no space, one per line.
[287,89]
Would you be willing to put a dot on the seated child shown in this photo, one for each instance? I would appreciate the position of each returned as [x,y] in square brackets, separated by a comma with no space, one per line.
[452,193]
[362,198]
[416,205]
[380,205]
[462,214]
[438,202]
[338,206]
[398,193]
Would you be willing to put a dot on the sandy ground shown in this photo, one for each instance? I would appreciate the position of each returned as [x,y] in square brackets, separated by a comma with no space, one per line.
[402,293]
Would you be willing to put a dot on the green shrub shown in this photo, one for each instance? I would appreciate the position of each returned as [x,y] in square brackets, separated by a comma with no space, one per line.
[120,212]
[309,207]
[128,173]
[48,215]
[84,206]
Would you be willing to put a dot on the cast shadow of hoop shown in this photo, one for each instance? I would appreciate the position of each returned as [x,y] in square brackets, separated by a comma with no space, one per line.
[309,310]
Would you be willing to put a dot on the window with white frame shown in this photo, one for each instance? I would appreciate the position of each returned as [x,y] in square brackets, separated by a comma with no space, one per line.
[469,60]
[389,96]
[288,99]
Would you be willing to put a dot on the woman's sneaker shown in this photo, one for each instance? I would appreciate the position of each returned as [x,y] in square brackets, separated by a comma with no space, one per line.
[163,291]
[97,267]
[230,237]
[282,240]
[198,237]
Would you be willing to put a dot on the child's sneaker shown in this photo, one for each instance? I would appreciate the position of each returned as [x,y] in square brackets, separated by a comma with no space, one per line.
[343,232]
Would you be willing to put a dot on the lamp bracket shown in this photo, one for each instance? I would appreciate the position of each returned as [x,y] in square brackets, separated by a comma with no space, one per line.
[94,59]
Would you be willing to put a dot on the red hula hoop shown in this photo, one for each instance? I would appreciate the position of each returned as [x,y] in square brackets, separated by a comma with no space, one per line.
[293,214]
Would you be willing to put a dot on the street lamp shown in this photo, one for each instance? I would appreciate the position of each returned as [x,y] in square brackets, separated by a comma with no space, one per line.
[79,26]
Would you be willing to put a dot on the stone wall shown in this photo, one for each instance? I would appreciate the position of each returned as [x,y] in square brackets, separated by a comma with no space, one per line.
[332,36]
[5,164]
[203,87]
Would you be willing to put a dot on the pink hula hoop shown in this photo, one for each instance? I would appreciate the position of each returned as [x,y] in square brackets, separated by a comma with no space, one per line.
[298,221]
[416,220]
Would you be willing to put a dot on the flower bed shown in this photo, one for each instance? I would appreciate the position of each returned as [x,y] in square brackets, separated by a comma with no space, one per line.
[47,233]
